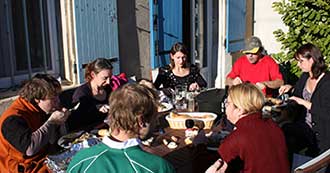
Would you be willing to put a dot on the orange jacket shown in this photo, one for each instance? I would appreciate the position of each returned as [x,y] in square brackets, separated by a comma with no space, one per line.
[12,160]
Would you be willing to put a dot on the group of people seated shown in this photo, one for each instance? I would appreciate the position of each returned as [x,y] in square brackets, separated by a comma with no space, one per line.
[35,121]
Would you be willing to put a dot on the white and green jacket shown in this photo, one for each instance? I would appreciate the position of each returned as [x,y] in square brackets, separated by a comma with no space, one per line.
[112,156]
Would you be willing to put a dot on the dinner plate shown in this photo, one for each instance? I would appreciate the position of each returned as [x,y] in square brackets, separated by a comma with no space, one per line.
[164,107]
[66,140]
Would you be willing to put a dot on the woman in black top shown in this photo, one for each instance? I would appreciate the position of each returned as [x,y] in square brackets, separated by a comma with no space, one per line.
[312,93]
[179,72]
[92,95]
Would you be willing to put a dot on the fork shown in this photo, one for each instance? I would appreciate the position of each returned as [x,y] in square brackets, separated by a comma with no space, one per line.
[75,107]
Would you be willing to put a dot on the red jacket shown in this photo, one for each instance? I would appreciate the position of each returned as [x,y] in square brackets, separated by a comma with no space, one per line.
[258,143]
[12,160]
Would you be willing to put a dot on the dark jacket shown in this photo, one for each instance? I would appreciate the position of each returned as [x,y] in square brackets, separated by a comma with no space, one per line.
[320,109]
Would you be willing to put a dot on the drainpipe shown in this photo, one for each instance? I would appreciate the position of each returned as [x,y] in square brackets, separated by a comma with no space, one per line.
[26,30]
[200,30]
[192,31]
[43,36]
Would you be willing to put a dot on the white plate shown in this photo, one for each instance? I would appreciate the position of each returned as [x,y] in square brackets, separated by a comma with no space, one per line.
[166,107]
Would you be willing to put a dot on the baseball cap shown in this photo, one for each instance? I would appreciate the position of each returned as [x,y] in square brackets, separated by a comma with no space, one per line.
[252,45]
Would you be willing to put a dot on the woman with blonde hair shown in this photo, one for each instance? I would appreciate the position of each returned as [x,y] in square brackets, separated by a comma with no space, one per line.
[256,145]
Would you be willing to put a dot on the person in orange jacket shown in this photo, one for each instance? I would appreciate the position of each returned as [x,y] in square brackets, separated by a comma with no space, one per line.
[30,124]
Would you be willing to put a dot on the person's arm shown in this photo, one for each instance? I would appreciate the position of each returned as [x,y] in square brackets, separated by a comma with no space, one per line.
[198,78]
[305,103]
[218,166]
[230,81]
[276,78]
[234,77]
[272,84]
[17,132]
[284,89]
[40,138]
[160,79]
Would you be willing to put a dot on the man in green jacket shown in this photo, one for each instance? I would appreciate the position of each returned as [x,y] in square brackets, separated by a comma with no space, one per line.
[133,108]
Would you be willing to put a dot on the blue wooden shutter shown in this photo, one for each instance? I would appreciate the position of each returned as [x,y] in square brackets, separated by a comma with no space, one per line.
[96,32]
[236,23]
[169,25]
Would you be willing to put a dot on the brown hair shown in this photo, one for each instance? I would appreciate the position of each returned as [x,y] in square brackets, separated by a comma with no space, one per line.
[146,82]
[40,87]
[247,97]
[309,51]
[129,103]
[96,66]
[177,47]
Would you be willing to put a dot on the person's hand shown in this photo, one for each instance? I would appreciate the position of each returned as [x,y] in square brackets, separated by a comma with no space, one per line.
[261,85]
[301,101]
[284,89]
[194,86]
[104,108]
[218,166]
[237,81]
[59,116]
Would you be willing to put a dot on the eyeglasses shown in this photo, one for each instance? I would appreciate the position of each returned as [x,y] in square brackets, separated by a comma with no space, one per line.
[227,103]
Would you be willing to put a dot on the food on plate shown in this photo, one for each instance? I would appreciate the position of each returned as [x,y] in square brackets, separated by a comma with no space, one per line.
[73,138]
[148,141]
[267,108]
[191,132]
[188,141]
[172,145]
[165,142]
[103,132]
[83,137]
[174,138]
[274,101]
[163,107]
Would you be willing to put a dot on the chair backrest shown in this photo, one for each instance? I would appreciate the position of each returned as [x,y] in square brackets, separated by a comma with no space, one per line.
[319,162]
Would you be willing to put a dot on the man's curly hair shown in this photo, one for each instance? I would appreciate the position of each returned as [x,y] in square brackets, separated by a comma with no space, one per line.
[40,87]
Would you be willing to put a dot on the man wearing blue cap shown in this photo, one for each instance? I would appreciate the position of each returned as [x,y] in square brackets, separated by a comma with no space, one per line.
[256,67]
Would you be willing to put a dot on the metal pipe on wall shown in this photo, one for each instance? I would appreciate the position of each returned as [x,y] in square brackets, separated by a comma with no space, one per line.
[26,30]
[192,31]
[43,36]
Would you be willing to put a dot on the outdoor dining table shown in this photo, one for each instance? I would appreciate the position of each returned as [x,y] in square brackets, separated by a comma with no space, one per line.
[184,158]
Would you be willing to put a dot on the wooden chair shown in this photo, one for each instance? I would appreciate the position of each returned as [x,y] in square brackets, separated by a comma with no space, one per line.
[320,162]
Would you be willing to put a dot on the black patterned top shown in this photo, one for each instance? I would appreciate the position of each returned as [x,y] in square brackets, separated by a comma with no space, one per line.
[167,79]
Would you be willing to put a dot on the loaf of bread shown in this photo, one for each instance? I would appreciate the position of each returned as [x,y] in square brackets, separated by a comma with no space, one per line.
[179,116]
[186,116]
[103,132]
